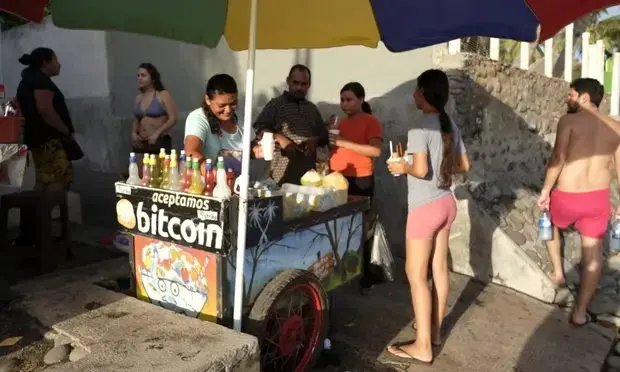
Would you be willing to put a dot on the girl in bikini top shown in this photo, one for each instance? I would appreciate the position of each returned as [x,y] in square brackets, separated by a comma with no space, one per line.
[154,110]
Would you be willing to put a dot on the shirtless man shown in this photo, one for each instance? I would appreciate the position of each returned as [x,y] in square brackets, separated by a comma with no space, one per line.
[585,144]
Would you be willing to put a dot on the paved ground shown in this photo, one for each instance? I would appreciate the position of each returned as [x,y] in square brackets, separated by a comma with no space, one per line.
[489,329]
[492,329]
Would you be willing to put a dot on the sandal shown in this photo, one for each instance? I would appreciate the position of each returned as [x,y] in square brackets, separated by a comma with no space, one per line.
[390,349]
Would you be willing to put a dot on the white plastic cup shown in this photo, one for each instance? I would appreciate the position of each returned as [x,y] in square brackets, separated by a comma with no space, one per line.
[395,160]
[267,144]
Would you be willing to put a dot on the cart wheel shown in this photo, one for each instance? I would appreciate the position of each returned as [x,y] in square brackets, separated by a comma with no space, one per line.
[289,318]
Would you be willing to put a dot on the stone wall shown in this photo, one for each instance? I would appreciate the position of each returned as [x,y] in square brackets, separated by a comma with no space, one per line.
[508,117]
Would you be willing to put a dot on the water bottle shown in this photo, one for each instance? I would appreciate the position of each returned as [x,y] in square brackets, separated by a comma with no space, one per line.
[134,175]
[614,238]
[545,230]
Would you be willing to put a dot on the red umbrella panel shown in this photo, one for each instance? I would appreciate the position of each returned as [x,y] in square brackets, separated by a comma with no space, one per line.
[30,10]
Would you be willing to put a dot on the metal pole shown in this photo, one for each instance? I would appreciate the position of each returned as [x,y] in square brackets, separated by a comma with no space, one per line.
[245,171]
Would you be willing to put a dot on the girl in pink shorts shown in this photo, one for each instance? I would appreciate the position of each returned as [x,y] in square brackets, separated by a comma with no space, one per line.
[437,153]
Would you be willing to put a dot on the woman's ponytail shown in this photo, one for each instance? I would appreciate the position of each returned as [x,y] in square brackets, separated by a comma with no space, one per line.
[25,60]
[446,170]
[435,89]
[37,57]
[366,108]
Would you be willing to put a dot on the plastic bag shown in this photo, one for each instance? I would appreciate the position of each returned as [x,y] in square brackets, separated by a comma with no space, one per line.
[381,252]
[13,165]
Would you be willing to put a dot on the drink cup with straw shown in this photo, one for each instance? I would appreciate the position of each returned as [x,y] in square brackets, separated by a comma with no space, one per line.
[334,129]
[394,156]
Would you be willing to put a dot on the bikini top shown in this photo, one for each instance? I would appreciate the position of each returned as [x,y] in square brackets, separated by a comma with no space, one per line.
[154,110]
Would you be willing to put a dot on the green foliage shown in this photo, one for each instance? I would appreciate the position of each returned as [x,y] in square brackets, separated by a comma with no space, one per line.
[607,30]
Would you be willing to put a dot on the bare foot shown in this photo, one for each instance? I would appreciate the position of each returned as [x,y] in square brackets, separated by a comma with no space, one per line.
[557,279]
[412,351]
[580,319]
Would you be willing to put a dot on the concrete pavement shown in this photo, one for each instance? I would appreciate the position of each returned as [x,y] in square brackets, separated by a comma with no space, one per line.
[114,332]
[490,328]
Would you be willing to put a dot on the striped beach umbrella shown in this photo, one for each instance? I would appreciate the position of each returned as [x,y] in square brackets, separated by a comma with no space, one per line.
[283,24]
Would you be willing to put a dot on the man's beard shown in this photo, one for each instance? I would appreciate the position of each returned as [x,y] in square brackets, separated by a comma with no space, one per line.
[297,95]
[572,108]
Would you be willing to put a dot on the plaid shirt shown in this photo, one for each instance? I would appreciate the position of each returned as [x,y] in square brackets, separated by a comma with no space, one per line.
[296,120]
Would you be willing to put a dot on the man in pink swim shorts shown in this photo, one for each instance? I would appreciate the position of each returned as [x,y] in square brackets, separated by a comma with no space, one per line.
[585,145]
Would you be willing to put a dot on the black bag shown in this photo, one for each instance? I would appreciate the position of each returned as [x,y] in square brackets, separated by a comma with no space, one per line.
[72,148]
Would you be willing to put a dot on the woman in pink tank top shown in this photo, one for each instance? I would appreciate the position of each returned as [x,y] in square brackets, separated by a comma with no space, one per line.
[436,153]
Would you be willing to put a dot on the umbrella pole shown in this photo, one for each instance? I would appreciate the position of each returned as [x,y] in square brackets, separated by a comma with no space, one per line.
[245,171]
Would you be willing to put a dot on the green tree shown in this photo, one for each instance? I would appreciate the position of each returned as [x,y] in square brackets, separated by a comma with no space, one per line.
[607,30]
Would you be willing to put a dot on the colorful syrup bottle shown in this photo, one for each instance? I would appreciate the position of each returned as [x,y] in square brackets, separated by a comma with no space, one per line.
[187,174]
[146,171]
[196,187]
[154,169]
[209,178]
[175,178]
[165,174]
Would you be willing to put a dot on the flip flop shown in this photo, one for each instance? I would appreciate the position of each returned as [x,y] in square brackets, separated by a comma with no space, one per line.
[408,356]
[579,325]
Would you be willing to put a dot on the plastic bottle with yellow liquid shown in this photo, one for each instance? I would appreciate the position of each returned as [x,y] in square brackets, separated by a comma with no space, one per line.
[146,171]
[154,181]
[165,173]
[175,178]
[196,187]
[160,163]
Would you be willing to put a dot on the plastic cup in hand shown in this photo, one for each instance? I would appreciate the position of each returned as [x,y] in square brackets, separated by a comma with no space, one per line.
[333,121]
[267,144]
[395,159]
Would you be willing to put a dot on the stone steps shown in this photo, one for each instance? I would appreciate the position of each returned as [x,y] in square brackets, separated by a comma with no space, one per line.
[481,249]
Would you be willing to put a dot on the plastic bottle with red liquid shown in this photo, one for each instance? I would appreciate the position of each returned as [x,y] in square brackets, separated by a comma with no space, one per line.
[230,179]
[209,178]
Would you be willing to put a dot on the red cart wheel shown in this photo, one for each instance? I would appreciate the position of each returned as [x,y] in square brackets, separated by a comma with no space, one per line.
[289,318]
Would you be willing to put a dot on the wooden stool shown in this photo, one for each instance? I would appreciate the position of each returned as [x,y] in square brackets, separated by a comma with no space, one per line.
[36,218]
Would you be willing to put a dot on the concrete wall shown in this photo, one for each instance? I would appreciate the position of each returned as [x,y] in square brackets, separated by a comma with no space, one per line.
[82,54]
[98,79]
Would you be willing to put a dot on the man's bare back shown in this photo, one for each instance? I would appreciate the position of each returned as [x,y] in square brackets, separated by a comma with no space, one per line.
[590,151]
[586,142]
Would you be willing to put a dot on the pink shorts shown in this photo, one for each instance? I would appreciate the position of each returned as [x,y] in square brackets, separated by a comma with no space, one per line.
[589,211]
[425,221]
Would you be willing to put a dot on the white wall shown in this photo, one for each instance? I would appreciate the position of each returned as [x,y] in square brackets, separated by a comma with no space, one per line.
[186,68]
[100,64]
[98,78]
[82,55]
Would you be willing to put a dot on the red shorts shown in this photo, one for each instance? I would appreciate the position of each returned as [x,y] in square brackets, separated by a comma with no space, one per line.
[588,211]
[425,221]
